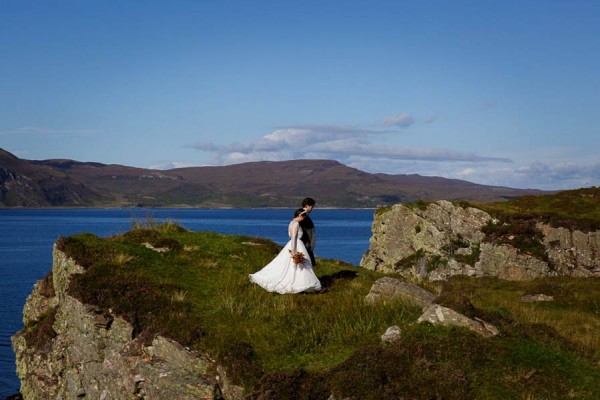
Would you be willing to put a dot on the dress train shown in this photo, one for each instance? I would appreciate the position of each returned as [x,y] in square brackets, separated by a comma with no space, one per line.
[282,275]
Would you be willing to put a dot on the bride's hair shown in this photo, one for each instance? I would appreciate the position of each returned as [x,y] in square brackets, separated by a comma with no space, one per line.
[298,212]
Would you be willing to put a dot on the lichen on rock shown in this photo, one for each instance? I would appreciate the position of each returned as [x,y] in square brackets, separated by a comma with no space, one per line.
[440,240]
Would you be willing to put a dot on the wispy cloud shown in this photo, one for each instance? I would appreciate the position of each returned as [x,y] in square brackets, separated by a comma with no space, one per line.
[585,174]
[329,142]
[430,119]
[406,120]
[482,107]
[30,130]
[164,165]
[400,121]
[535,175]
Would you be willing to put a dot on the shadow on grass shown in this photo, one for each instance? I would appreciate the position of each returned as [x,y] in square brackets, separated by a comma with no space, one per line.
[328,280]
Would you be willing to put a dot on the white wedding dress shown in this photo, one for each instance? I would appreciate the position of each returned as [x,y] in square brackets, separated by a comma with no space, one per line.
[282,275]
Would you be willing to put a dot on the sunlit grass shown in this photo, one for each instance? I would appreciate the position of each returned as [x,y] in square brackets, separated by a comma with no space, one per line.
[574,314]
[122,258]
[575,209]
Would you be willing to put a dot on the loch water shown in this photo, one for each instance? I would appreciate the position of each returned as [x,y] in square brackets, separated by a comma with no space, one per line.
[27,237]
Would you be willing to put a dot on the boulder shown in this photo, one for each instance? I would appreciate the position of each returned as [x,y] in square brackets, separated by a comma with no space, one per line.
[392,334]
[440,315]
[391,288]
[531,298]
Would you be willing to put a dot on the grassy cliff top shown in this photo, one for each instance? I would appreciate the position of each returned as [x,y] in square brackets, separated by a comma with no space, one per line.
[308,345]
[574,209]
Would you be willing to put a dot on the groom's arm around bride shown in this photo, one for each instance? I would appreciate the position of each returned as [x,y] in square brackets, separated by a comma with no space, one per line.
[308,227]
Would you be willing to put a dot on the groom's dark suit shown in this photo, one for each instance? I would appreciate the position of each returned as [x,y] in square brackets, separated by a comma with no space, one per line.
[308,237]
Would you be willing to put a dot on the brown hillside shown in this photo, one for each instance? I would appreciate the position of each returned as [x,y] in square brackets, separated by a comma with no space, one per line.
[256,184]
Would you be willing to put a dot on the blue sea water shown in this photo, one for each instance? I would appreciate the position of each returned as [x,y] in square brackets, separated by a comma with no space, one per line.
[27,236]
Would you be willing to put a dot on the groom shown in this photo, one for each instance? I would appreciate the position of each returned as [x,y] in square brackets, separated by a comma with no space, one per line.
[308,238]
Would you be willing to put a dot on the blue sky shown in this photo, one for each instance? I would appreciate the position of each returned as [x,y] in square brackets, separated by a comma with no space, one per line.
[494,92]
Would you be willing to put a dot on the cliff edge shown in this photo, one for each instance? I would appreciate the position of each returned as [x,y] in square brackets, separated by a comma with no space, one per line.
[71,350]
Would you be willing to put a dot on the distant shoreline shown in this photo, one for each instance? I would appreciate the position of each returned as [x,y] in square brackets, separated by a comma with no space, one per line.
[181,208]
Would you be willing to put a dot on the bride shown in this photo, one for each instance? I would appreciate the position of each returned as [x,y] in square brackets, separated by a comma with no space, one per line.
[285,274]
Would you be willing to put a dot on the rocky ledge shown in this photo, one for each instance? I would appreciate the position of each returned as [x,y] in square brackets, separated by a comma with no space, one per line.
[442,240]
[70,350]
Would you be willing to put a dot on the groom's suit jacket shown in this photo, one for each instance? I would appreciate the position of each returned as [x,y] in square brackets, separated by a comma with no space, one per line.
[308,237]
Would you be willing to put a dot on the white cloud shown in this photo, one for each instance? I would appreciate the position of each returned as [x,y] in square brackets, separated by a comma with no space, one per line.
[536,175]
[467,172]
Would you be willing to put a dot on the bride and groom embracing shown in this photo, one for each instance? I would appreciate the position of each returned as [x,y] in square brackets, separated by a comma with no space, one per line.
[290,271]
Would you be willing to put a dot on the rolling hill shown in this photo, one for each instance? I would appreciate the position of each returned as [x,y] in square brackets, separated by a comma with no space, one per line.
[69,183]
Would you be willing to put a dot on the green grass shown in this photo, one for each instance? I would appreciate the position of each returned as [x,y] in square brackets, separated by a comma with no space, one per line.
[306,346]
[573,209]
[198,290]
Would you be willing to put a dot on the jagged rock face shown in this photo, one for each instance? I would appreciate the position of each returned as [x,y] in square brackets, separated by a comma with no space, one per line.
[506,263]
[572,252]
[91,353]
[443,240]
[402,231]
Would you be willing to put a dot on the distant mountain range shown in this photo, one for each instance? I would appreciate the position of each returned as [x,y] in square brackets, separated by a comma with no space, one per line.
[69,183]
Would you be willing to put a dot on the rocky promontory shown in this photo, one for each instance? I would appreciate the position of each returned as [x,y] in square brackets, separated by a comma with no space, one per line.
[71,350]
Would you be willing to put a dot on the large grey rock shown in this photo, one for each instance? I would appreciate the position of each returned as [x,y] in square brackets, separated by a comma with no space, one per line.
[505,262]
[440,315]
[443,240]
[572,253]
[402,231]
[391,288]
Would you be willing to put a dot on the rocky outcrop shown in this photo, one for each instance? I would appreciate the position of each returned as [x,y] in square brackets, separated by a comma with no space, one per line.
[505,262]
[571,252]
[71,350]
[440,240]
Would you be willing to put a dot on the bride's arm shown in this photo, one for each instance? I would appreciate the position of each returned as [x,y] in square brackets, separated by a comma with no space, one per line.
[293,231]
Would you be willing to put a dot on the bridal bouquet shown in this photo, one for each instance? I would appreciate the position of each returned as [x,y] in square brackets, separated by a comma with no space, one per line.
[298,258]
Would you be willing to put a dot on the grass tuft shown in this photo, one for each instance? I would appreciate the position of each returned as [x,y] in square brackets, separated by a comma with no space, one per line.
[39,334]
